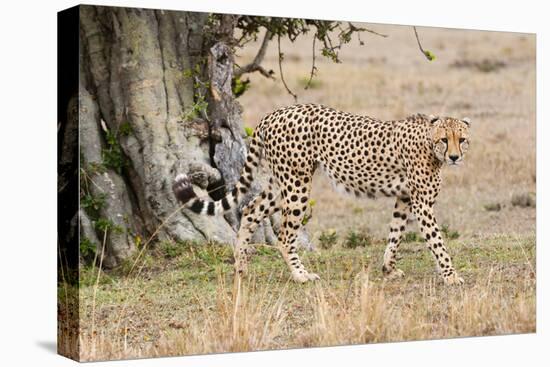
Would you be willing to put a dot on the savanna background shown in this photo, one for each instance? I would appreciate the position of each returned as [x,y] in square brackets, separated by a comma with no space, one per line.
[173,296]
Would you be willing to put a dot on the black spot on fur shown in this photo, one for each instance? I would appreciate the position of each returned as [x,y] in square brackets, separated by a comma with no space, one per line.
[211,208]
[197,206]
[225,204]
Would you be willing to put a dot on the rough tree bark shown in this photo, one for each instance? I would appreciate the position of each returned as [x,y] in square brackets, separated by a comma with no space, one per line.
[145,74]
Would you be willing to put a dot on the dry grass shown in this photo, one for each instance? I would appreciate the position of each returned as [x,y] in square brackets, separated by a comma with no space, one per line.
[189,303]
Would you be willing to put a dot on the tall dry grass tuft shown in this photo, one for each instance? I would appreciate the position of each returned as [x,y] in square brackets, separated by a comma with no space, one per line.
[368,316]
[373,315]
[244,318]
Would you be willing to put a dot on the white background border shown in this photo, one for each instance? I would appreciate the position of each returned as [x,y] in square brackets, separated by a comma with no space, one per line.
[28,181]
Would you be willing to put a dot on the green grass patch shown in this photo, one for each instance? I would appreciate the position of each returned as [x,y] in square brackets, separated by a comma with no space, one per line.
[327,239]
[356,239]
[449,233]
[409,237]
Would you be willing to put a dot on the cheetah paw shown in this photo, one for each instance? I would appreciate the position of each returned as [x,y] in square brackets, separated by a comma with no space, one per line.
[453,279]
[304,276]
[395,274]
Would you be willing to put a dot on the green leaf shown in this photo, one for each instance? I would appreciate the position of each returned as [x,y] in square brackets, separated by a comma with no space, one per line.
[429,55]
[87,247]
[249,131]
[239,86]
[105,225]
[95,203]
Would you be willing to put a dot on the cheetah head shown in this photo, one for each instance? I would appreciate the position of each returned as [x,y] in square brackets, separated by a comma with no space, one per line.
[450,139]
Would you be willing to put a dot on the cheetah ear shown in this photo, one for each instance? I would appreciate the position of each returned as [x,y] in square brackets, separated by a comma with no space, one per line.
[467,121]
[433,119]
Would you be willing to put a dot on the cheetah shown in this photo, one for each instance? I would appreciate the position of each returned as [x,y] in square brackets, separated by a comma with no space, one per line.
[365,156]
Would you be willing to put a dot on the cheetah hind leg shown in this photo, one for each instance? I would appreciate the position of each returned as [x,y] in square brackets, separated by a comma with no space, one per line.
[263,206]
[401,213]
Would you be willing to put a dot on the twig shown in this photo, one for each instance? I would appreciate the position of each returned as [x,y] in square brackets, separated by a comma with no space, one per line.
[374,32]
[418,40]
[281,69]
[361,43]
[355,29]
[426,53]
[332,48]
[255,65]
[313,67]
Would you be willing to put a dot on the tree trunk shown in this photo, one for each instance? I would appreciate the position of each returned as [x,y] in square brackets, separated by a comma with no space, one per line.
[149,75]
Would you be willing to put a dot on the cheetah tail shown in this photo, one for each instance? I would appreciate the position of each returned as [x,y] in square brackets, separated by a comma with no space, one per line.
[183,189]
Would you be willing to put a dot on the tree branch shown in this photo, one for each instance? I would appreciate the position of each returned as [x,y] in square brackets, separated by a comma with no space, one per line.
[430,56]
[255,65]
[313,67]
[418,40]
[281,69]
[357,29]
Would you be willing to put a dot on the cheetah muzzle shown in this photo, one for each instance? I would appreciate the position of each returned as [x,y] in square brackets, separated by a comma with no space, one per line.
[363,156]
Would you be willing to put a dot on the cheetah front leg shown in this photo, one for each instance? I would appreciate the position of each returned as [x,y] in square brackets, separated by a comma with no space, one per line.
[397,227]
[289,247]
[432,235]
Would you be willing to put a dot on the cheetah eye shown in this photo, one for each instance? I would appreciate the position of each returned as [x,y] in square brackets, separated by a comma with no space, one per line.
[444,140]
[461,140]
